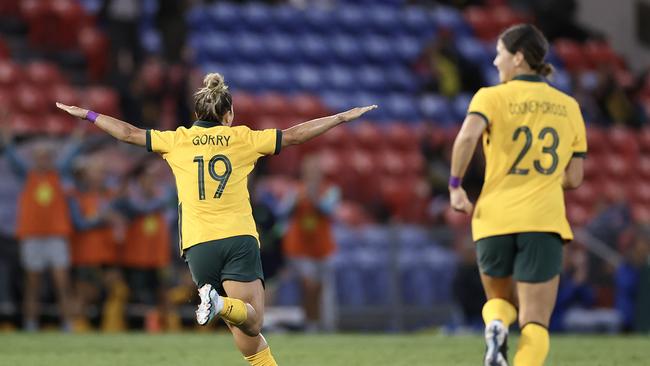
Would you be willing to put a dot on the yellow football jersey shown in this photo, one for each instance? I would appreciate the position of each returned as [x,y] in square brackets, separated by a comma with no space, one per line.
[533,132]
[211,164]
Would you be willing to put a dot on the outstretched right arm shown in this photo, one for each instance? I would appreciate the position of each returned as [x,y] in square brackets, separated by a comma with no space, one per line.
[121,130]
[308,130]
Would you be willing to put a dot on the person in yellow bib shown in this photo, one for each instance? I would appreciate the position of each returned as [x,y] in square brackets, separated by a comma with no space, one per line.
[211,162]
[534,143]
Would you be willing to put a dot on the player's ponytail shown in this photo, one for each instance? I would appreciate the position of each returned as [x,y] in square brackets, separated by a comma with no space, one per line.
[213,100]
[532,44]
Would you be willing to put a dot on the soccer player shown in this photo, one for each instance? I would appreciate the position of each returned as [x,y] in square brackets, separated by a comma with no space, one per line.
[534,143]
[211,162]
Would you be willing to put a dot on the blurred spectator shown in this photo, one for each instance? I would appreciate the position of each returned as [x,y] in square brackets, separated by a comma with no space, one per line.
[575,292]
[146,254]
[170,19]
[94,246]
[445,70]
[632,278]
[468,290]
[620,105]
[121,19]
[44,224]
[557,19]
[309,240]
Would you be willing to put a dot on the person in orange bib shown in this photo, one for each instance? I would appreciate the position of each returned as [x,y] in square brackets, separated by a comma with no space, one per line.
[146,254]
[43,224]
[93,245]
[309,240]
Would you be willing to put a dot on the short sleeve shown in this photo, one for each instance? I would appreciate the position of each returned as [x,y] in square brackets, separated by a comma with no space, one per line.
[266,142]
[160,141]
[579,145]
[482,104]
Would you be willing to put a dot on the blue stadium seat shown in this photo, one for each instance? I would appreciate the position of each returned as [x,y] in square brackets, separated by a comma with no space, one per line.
[276,76]
[401,107]
[406,48]
[217,47]
[318,20]
[460,104]
[451,18]
[248,47]
[225,16]
[246,77]
[561,80]
[307,78]
[198,19]
[288,292]
[371,79]
[288,19]
[490,74]
[346,49]
[416,22]
[436,108]
[340,78]
[336,100]
[377,49]
[255,16]
[349,284]
[281,47]
[401,79]
[382,20]
[351,19]
[473,50]
[314,48]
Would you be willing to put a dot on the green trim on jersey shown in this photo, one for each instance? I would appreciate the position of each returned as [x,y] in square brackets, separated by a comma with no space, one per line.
[278,142]
[487,121]
[206,124]
[578,154]
[148,140]
[529,77]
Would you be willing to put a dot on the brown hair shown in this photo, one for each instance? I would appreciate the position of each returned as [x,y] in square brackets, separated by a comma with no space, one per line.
[530,41]
[213,100]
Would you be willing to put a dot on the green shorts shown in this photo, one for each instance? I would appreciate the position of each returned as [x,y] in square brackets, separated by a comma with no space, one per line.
[528,257]
[236,258]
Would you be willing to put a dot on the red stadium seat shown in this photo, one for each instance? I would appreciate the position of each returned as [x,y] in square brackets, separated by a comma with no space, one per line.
[643,167]
[390,163]
[94,46]
[307,106]
[623,141]
[641,213]
[614,191]
[585,194]
[402,138]
[601,54]
[64,94]
[25,124]
[413,162]
[616,166]
[43,74]
[593,166]
[102,100]
[368,136]
[10,8]
[69,16]
[596,140]
[351,214]
[7,98]
[40,22]
[482,22]
[339,138]
[505,16]
[578,215]
[643,137]
[571,54]
[4,50]
[58,123]
[32,100]
[273,104]
[639,190]
[152,75]
[10,74]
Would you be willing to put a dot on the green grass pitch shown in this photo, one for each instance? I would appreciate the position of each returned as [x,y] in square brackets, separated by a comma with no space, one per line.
[54,349]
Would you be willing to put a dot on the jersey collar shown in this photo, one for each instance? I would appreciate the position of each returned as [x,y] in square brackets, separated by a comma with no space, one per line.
[206,124]
[528,77]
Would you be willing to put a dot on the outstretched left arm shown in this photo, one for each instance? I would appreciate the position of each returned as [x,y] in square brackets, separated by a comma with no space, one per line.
[121,130]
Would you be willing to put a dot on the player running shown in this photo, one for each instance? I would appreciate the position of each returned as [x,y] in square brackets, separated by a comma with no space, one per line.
[211,162]
[534,144]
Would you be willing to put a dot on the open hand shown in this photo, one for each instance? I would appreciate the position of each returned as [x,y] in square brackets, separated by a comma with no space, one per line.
[355,113]
[72,110]
[459,201]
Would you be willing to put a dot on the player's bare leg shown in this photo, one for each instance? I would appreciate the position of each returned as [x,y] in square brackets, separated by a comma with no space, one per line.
[536,302]
[31,305]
